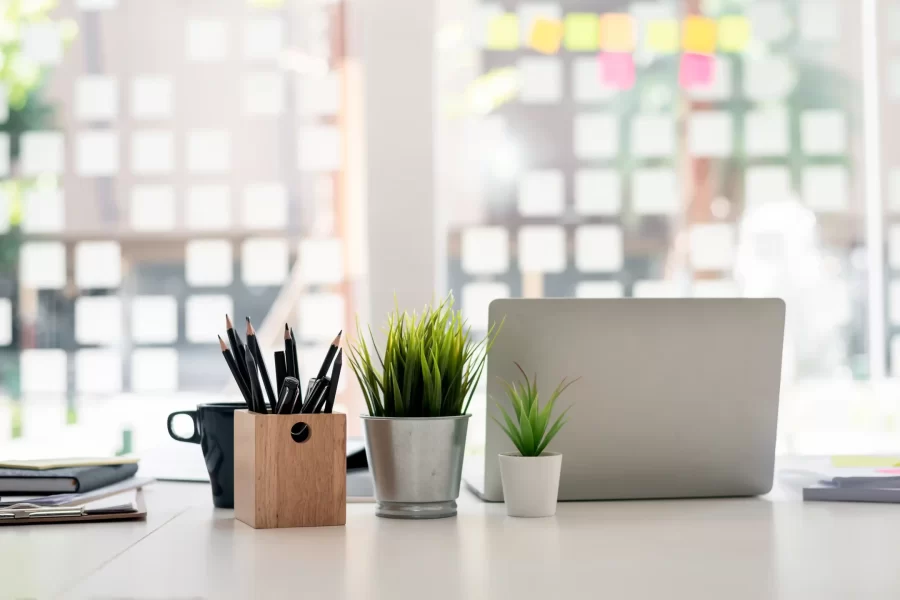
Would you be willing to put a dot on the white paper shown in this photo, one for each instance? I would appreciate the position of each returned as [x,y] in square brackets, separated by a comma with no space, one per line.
[42,152]
[710,134]
[598,192]
[321,260]
[263,38]
[42,42]
[154,319]
[98,320]
[655,191]
[715,288]
[265,206]
[4,154]
[321,317]
[768,78]
[587,84]
[823,132]
[529,12]
[819,20]
[208,263]
[6,322]
[711,246]
[826,189]
[208,208]
[96,98]
[203,317]
[97,154]
[657,288]
[152,152]
[44,210]
[264,94]
[98,265]
[153,207]
[540,80]
[208,151]
[151,97]
[98,371]
[766,184]
[264,261]
[596,135]
[154,369]
[652,136]
[319,148]
[542,249]
[599,249]
[319,95]
[894,301]
[485,250]
[42,265]
[96,5]
[766,132]
[477,298]
[721,85]
[599,289]
[206,40]
[43,371]
[769,19]
[541,193]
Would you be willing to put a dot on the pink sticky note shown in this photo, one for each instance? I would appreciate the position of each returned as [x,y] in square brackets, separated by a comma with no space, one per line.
[617,69]
[696,70]
[888,471]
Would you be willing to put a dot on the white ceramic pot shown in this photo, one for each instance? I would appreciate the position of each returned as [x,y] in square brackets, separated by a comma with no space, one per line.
[530,483]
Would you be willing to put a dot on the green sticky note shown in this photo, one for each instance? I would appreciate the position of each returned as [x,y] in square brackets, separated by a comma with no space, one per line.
[503,32]
[582,32]
[662,36]
[734,33]
[865,462]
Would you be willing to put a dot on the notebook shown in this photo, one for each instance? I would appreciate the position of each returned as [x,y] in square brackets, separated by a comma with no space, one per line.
[61,481]
[125,506]
[855,489]
[62,463]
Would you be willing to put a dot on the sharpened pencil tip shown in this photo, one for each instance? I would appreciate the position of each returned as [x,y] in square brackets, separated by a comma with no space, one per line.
[222,344]
[337,339]
[287,332]
[228,323]
[250,330]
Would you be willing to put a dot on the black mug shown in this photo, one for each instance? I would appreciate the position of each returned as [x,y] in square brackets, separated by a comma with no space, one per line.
[214,431]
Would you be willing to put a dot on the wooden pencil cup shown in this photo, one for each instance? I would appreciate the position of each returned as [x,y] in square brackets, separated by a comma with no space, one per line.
[288,475]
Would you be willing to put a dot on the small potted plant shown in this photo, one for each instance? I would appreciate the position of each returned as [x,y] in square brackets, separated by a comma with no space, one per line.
[417,393]
[530,476]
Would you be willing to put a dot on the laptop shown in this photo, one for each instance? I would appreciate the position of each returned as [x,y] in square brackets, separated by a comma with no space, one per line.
[678,398]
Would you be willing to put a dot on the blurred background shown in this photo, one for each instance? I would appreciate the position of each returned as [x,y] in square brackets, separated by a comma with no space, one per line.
[166,162]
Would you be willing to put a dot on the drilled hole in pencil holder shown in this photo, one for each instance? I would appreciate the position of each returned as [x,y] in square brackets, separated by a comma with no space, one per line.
[300,432]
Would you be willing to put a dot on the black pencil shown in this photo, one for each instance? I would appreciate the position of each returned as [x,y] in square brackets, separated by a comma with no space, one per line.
[256,394]
[329,356]
[335,378]
[296,358]
[237,350]
[289,353]
[253,343]
[232,366]
[280,372]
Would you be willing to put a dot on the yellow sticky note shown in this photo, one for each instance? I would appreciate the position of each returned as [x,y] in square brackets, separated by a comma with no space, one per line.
[546,36]
[503,32]
[662,36]
[865,462]
[582,32]
[734,33]
[617,32]
[699,35]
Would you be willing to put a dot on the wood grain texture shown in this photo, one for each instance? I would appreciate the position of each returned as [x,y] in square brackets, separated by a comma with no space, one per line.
[282,483]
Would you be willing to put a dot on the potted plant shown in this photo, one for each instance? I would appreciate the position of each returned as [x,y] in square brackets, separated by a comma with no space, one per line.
[530,476]
[417,393]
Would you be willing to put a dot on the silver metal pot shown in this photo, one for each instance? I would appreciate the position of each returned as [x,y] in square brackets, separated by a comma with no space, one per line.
[416,464]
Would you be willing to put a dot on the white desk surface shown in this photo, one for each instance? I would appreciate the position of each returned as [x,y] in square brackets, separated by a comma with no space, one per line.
[774,547]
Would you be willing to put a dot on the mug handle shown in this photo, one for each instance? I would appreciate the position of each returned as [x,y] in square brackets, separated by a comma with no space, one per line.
[194,439]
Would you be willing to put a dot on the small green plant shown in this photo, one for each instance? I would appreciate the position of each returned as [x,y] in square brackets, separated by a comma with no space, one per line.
[531,431]
[430,365]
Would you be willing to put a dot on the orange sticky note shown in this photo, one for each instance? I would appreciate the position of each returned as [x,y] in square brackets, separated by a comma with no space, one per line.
[546,35]
[662,36]
[699,35]
[734,33]
[617,32]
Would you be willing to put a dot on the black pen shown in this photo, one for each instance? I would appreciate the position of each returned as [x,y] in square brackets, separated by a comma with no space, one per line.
[288,395]
[335,378]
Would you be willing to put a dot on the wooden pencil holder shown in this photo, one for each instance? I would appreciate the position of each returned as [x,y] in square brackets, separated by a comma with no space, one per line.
[287,475]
